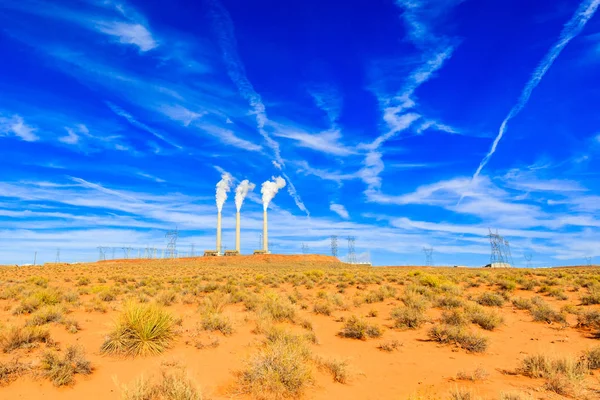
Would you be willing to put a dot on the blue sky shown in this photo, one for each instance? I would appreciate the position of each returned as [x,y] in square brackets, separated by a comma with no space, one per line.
[407,123]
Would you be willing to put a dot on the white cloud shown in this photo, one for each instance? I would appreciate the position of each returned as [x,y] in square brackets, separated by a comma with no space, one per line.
[129,33]
[571,29]
[325,142]
[16,125]
[528,181]
[181,114]
[71,138]
[340,210]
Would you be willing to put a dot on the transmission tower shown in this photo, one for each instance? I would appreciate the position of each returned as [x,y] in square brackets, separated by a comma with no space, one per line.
[588,261]
[172,237]
[126,252]
[113,252]
[193,253]
[497,244]
[428,256]
[334,245]
[101,253]
[304,248]
[528,258]
[57,256]
[351,251]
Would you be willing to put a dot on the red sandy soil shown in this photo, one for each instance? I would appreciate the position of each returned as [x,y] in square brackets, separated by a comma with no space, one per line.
[419,368]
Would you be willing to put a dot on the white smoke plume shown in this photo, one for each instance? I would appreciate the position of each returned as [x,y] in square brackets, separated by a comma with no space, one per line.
[223,187]
[241,192]
[270,188]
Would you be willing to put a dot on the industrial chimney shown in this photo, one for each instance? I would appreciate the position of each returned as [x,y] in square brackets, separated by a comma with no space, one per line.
[265,234]
[237,232]
[219,233]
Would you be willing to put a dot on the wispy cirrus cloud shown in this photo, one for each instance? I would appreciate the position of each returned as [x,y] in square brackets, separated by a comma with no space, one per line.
[236,70]
[585,11]
[340,210]
[128,33]
[16,125]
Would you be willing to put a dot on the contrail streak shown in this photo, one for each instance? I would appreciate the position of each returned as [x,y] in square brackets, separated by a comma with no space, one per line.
[584,13]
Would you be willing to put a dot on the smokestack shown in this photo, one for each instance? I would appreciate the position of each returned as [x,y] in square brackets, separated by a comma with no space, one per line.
[219,232]
[269,189]
[265,234]
[237,232]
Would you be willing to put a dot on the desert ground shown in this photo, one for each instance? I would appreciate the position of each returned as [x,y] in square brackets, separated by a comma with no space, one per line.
[310,327]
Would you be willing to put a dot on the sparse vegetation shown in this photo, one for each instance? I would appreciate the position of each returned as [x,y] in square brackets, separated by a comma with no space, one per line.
[142,329]
[61,370]
[467,340]
[357,328]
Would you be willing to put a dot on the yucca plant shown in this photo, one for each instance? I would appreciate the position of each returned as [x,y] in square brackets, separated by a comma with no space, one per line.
[142,329]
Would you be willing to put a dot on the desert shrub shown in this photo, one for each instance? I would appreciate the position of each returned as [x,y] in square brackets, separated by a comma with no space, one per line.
[589,319]
[323,308]
[279,308]
[83,281]
[38,280]
[358,328]
[216,322]
[338,369]
[166,298]
[46,314]
[280,369]
[478,374]
[389,345]
[557,293]
[216,303]
[514,396]
[415,300]
[107,294]
[469,341]
[545,313]
[522,304]
[172,386]
[372,313]
[490,299]
[449,302]
[9,371]
[563,375]
[61,371]
[461,394]
[454,317]
[593,357]
[592,297]
[142,329]
[408,317]
[71,325]
[507,285]
[430,281]
[23,337]
[488,320]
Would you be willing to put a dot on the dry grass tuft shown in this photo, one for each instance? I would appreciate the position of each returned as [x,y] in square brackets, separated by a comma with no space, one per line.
[172,386]
[23,337]
[408,317]
[479,374]
[338,369]
[358,328]
[280,369]
[564,375]
[10,371]
[61,371]
[389,346]
[142,329]
[469,341]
